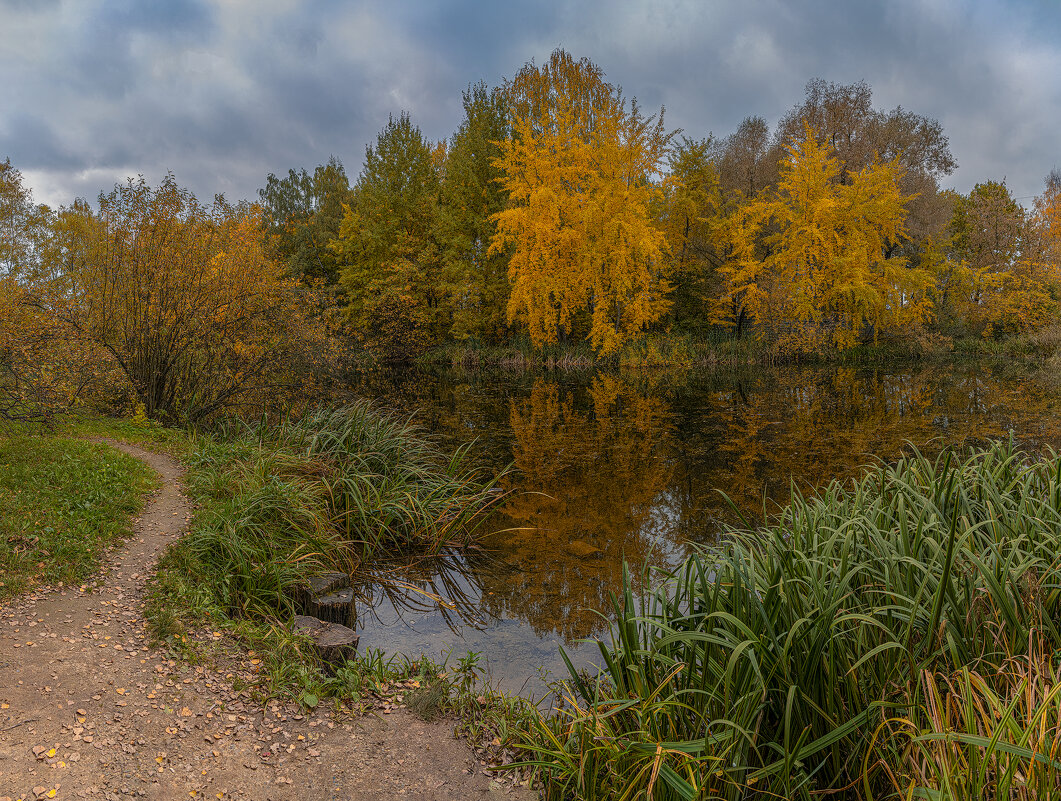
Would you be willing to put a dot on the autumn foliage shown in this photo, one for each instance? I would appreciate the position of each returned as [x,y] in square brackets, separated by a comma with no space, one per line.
[810,259]
[578,170]
[557,213]
[42,368]
[157,297]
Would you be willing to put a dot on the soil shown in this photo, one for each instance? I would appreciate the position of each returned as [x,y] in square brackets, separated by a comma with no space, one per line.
[90,709]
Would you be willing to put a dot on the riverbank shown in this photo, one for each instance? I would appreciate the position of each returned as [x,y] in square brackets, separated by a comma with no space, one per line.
[891,638]
[721,349]
[276,504]
[556,431]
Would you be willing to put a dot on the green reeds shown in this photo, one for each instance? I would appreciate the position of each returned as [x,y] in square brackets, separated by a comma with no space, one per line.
[334,489]
[763,668]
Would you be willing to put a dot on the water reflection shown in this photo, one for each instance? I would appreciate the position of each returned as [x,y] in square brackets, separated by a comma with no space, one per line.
[592,471]
[447,585]
[633,466]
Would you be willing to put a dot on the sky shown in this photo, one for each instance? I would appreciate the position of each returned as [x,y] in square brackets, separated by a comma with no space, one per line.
[223,92]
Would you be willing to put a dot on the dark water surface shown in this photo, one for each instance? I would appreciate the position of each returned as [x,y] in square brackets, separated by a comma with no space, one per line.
[633,466]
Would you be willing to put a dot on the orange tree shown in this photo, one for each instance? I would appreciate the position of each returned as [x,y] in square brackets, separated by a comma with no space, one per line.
[809,258]
[42,370]
[579,169]
[184,298]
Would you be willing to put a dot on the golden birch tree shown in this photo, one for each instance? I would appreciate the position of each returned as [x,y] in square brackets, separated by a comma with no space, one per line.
[579,169]
[809,257]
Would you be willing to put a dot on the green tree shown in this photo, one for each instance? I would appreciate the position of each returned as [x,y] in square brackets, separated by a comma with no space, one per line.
[691,208]
[21,222]
[387,243]
[471,197]
[301,215]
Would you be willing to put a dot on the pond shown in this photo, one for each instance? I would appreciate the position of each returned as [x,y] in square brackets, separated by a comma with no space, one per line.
[640,467]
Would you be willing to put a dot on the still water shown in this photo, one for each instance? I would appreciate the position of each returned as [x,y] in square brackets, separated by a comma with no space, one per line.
[638,467]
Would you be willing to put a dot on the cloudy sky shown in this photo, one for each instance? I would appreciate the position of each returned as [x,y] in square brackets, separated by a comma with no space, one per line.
[223,92]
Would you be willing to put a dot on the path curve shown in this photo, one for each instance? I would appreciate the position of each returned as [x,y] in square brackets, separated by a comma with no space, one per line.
[88,709]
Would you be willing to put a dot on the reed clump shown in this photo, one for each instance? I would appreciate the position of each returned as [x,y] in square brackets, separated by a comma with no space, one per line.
[890,638]
[334,489]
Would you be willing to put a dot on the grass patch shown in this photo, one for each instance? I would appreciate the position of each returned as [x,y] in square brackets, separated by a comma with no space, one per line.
[135,430]
[884,639]
[63,502]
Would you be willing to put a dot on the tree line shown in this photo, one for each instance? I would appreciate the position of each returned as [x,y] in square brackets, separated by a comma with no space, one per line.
[559,212]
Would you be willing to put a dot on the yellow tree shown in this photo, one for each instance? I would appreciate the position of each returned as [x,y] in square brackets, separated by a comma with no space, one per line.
[994,271]
[42,369]
[184,299]
[809,258]
[579,169]
[1035,283]
[1048,217]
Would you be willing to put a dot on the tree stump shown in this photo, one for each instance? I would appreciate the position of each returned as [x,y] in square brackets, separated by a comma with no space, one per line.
[317,586]
[336,607]
[335,643]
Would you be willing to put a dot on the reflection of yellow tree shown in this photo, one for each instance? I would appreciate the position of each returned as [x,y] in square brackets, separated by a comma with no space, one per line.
[613,469]
[808,427]
[591,477]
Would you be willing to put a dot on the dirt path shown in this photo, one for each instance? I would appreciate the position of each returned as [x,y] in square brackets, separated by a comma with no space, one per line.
[89,710]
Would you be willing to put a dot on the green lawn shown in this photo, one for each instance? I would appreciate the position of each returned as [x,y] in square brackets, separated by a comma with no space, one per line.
[62,503]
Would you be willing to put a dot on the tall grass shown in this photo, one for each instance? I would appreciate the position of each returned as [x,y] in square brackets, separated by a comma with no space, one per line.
[984,734]
[332,490]
[791,662]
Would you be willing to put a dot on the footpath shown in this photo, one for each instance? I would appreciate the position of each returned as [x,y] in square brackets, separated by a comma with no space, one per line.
[88,709]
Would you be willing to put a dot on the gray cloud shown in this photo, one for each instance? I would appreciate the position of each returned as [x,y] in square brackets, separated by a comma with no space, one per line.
[222,93]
